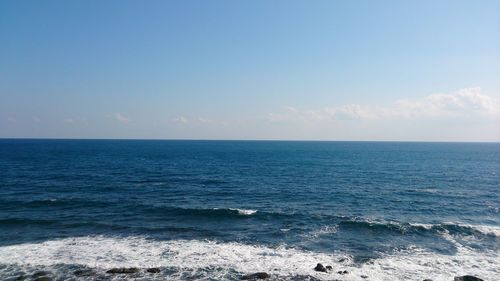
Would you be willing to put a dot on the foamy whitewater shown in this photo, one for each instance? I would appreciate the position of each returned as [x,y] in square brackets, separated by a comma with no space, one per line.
[216,210]
[207,260]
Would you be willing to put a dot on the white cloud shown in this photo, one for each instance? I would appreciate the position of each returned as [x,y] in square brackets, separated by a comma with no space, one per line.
[344,112]
[180,119]
[351,111]
[465,102]
[204,120]
[193,120]
[119,117]
[74,120]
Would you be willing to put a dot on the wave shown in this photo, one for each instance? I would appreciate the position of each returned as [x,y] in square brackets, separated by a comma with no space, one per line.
[25,221]
[213,181]
[453,228]
[323,225]
[244,212]
[176,179]
[205,260]
[203,212]
[324,230]
[75,203]
[54,202]
[461,228]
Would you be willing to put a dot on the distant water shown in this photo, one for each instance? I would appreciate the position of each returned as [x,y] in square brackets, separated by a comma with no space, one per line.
[215,210]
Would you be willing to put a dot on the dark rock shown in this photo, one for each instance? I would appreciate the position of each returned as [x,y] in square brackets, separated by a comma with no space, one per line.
[321,268]
[364,276]
[343,272]
[20,278]
[427,279]
[254,276]
[43,278]
[467,278]
[40,273]
[153,270]
[329,267]
[84,272]
[123,270]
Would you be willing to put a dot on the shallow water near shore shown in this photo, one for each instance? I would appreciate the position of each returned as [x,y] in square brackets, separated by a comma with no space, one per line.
[216,210]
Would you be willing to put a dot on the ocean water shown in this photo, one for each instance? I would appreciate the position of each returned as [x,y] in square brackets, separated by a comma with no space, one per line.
[216,210]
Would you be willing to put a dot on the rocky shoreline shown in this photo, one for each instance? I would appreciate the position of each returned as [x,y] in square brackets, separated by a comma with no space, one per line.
[132,272]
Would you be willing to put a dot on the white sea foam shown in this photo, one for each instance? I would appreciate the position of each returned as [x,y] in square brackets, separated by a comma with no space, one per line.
[202,256]
[244,212]
[424,225]
[325,230]
[484,229]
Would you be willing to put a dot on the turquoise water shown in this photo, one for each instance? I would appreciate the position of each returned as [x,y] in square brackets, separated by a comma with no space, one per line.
[218,209]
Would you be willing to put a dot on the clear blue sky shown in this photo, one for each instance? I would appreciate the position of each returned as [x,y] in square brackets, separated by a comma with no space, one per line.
[332,70]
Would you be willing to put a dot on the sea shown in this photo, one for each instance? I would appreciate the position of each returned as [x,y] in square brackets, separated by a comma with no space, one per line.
[218,210]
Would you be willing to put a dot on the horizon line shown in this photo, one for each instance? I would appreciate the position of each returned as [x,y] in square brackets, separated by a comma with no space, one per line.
[243,140]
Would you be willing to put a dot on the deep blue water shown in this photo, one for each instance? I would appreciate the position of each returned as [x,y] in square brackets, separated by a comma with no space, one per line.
[366,200]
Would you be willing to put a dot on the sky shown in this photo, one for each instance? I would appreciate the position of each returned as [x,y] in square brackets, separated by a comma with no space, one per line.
[252,70]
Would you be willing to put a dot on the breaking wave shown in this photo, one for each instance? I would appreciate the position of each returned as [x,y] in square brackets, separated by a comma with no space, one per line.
[415,228]
[184,259]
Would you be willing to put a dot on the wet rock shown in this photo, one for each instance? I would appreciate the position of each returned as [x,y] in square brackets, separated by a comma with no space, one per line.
[84,272]
[343,272]
[43,278]
[153,270]
[40,273]
[321,268]
[254,276]
[123,270]
[467,278]
[20,278]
